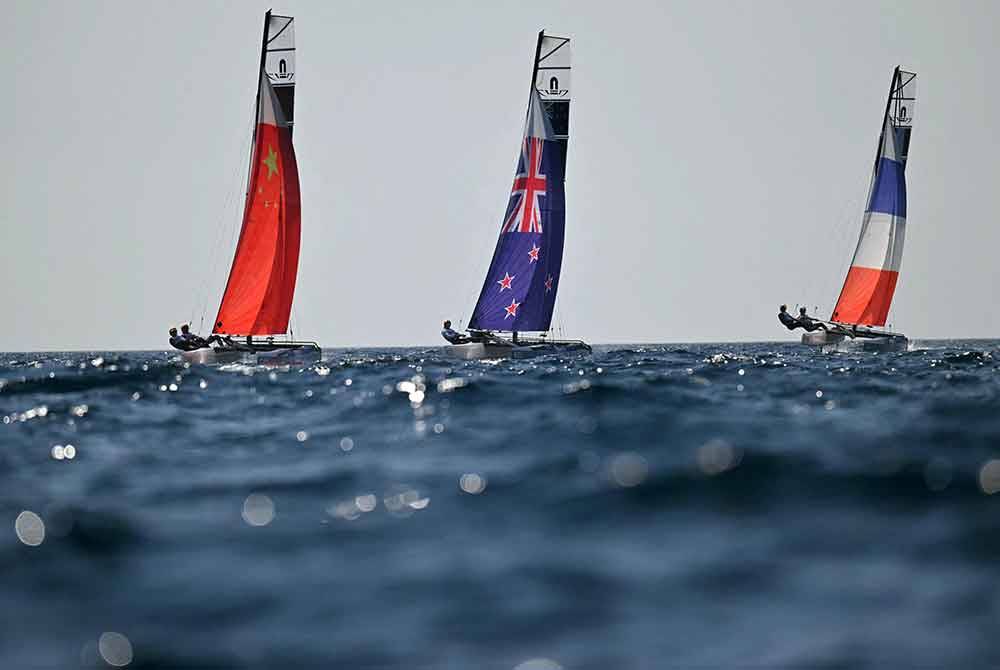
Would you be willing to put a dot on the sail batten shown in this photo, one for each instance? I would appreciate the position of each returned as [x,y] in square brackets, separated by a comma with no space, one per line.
[866,296]
[520,287]
[258,295]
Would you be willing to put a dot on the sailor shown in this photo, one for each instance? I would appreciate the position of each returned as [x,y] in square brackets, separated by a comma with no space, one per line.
[787,320]
[192,341]
[185,341]
[176,341]
[198,342]
[808,322]
[453,336]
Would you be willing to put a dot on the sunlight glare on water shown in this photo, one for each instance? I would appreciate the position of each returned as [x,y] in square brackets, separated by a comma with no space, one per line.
[502,514]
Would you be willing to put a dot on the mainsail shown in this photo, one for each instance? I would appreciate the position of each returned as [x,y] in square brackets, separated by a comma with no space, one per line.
[258,295]
[519,291]
[871,281]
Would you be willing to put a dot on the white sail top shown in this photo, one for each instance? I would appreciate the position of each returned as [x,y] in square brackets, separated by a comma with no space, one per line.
[537,124]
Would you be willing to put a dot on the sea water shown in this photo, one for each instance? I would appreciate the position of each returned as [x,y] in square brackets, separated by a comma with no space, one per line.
[655,506]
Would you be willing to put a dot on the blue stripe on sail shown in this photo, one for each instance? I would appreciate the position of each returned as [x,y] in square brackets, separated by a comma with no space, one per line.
[889,191]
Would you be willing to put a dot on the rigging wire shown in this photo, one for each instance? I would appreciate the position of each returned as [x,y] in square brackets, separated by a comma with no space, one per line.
[230,214]
[837,238]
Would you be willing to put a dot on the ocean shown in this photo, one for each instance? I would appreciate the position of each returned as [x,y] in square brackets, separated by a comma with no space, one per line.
[644,506]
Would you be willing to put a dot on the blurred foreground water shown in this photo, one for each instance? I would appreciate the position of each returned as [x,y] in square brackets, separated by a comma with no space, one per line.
[656,506]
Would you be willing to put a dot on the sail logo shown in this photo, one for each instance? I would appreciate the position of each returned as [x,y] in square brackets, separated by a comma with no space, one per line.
[283,73]
[529,184]
[552,90]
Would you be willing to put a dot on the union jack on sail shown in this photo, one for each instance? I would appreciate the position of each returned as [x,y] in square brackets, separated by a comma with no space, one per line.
[529,183]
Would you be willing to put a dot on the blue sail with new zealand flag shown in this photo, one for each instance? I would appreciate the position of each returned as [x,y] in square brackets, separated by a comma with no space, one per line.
[519,292]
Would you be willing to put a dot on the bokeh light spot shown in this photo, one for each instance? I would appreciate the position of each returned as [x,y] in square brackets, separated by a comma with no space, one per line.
[472,483]
[538,664]
[258,509]
[115,649]
[717,456]
[629,469]
[989,477]
[30,528]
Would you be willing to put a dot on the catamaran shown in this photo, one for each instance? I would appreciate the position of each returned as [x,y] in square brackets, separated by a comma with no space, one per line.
[257,300]
[859,317]
[519,292]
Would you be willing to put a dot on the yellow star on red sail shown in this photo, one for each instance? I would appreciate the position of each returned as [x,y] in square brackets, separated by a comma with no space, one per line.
[271,161]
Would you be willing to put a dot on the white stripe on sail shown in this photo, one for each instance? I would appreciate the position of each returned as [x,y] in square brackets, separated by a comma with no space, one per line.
[888,149]
[270,109]
[537,124]
[881,243]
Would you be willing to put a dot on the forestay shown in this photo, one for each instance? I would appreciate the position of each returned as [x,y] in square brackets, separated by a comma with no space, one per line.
[871,281]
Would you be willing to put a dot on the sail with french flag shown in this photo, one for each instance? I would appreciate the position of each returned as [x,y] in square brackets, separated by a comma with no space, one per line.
[868,290]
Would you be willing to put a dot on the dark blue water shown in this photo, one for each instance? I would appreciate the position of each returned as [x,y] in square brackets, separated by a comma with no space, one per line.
[688,506]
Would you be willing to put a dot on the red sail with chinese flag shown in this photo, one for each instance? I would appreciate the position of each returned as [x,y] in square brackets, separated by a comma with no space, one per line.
[258,296]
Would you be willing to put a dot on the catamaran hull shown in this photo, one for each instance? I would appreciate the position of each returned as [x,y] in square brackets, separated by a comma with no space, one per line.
[821,338]
[305,354]
[477,350]
[835,341]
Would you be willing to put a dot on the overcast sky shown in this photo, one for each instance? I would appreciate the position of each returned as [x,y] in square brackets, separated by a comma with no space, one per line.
[719,159]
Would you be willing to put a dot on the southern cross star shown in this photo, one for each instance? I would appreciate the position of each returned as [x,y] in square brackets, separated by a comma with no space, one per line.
[505,282]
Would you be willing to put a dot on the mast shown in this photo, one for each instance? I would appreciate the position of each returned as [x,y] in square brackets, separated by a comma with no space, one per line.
[888,106]
[531,98]
[534,67]
[256,104]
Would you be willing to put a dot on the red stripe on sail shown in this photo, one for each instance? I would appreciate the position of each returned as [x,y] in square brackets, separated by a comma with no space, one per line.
[258,296]
[866,296]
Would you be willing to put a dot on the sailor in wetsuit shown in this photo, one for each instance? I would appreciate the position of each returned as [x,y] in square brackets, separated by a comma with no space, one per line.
[809,323]
[786,319]
[181,342]
[453,336]
[194,341]
[188,341]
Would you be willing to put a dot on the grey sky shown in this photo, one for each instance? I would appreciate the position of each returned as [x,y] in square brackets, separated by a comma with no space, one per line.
[720,153]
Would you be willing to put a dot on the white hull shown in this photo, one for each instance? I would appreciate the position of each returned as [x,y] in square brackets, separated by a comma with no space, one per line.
[821,338]
[295,354]
[834,341]
[478,350]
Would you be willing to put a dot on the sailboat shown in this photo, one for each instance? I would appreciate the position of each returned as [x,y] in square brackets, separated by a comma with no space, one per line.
[257,300]
[859,317]
[519,291]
